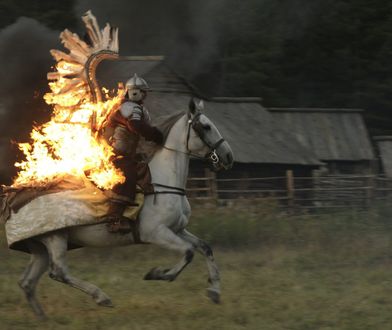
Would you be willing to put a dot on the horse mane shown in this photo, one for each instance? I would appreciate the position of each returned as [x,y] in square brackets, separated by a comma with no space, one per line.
[165,123]
[146,149]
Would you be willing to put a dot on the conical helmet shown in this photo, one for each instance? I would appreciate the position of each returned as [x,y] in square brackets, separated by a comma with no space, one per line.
[137,83]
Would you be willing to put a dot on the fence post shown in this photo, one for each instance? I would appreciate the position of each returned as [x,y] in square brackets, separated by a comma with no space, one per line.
[290,187]
[370,190]
[212,184]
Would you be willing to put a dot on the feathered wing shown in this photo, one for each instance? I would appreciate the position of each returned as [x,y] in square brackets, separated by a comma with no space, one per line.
[74,82]
[78,114]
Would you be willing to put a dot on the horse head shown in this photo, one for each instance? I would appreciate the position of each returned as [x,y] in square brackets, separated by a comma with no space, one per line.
[205,140]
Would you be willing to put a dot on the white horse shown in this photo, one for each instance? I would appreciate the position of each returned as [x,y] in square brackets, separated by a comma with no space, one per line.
[162,220]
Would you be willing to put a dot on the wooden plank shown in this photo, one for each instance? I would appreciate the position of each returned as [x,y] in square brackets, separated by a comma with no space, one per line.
[334,189]
[252,179]
[198,179]
[251,191]
[198,189]
[290,186]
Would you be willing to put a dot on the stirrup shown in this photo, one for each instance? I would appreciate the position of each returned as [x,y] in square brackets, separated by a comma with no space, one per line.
[120,226]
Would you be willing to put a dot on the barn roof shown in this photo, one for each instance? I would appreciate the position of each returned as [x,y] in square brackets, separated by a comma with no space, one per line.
[384,144]
[246,125]
[333,134]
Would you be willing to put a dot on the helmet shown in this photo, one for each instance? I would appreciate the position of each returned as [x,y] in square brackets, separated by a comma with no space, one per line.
[136,83]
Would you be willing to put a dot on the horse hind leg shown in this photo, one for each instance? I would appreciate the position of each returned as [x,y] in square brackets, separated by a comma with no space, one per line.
[56,243]
[37,266]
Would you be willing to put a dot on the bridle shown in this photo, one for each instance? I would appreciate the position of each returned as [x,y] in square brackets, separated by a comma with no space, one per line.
[211,155]
[199,129]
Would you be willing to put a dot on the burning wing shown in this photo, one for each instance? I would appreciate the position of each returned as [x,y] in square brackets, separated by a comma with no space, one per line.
[67,144]
[74,80]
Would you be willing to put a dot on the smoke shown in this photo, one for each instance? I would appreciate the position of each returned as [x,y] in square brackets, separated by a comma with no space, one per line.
[183,31]
[25,60]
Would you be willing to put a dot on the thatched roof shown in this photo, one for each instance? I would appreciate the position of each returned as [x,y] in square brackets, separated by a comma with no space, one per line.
[384,144]
[332,134]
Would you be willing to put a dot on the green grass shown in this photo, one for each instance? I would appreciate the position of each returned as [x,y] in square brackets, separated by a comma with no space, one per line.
[278,272]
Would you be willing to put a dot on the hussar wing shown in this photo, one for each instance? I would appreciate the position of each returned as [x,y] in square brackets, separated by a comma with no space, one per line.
[73,80]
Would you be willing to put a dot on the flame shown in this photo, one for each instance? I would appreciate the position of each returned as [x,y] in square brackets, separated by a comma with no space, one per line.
[67,144]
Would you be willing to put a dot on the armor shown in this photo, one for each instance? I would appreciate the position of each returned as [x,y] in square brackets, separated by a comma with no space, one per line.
[137,83]
[136,88]
[131,120]
[123,132]
[125,124]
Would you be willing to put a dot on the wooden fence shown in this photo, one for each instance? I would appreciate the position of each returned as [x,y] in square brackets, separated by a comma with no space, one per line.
[318,192]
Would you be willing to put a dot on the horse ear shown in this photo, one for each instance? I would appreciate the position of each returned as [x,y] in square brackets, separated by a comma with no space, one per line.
[200,106]
[192,106]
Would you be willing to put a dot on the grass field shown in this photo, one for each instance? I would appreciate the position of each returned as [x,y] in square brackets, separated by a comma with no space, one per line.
[278,272]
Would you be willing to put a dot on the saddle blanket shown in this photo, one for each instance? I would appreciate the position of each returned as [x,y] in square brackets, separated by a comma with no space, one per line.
[73,202]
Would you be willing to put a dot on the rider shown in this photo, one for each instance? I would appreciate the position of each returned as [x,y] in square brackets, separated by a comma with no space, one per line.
[123,133]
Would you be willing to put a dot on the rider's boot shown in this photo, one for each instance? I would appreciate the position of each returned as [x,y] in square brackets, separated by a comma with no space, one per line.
[117,223]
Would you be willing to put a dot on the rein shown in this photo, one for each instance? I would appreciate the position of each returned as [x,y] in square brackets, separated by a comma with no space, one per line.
[184,152]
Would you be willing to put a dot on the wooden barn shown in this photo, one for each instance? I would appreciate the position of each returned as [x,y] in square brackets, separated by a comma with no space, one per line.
[384,148]
[338,137]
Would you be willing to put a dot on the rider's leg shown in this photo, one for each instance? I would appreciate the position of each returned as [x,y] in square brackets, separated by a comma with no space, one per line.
[124,196]
[126,189]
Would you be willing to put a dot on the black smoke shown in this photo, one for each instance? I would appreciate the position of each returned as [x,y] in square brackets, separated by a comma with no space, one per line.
[25,60]
[183,31]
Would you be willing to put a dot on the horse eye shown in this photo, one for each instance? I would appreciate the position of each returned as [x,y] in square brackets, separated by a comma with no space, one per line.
[207,127]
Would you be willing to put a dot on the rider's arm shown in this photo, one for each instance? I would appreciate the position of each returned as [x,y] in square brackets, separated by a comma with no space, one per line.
[149,132]
[142,127]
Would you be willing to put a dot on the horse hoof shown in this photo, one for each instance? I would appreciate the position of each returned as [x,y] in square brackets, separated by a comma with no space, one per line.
[151,275]
[213,295]
[105,303]
[41,316]
[159,275]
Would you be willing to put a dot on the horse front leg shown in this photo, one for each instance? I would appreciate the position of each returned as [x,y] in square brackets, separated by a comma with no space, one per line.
[164,237]
[201,246]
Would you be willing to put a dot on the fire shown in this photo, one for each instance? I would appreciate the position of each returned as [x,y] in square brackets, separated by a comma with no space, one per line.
[66,144]
[69,144]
